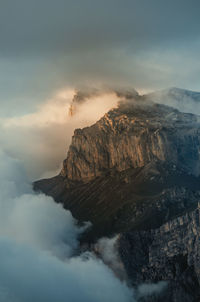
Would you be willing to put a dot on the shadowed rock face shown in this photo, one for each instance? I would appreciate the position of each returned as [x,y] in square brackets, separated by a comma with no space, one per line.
[170,253]
[140,198]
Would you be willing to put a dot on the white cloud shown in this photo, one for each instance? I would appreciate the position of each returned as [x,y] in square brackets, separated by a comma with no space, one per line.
[41,139]
[37,241]
[107,249]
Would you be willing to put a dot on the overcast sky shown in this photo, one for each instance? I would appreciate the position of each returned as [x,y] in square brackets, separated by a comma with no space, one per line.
[49,45]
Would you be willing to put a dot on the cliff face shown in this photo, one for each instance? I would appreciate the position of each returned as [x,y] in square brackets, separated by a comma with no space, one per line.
[169,253]
[136,167]
[136,173]
[132,136]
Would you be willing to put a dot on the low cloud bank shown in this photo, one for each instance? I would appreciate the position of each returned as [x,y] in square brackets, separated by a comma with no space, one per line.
[29,275]
[38,240]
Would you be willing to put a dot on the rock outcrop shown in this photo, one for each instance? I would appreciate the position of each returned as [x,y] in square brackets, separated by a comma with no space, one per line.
[132,136]
[170,253]
[136,167]
[136,172]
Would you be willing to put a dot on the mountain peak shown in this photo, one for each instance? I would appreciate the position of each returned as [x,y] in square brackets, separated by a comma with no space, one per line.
[124,171]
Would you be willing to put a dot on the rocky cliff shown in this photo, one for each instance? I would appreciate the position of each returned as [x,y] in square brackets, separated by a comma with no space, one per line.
[132,136]
[170,253]
[136,167]
[135,172]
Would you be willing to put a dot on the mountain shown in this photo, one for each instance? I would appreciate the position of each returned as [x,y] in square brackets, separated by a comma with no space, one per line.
[136,173]
[120,172]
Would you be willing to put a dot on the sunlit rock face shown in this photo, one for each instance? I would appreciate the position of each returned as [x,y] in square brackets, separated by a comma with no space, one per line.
[132,136]
[136,173]
[137,167]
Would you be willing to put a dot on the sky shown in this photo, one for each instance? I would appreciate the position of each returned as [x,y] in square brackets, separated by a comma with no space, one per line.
[47,46]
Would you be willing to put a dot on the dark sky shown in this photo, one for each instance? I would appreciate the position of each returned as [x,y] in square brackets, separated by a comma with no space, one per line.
[49,45]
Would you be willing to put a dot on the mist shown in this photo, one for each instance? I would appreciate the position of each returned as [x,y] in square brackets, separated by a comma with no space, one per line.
[40,255]
[39,241]
[41,139]
[184,100]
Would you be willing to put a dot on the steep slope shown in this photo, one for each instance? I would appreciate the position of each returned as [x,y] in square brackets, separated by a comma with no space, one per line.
[137,167]
[169,253]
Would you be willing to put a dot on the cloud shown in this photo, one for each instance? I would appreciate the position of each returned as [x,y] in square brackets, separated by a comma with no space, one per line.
[107,250]
[183,100]
[68,26]
[40,258]
[48,45]
[41,139]
[34,219]
[28,276]
[38,243]
[149,289]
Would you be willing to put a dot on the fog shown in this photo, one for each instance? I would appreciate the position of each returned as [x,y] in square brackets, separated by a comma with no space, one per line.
[38,244]
[183,100]
[39,240]
[41,139]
